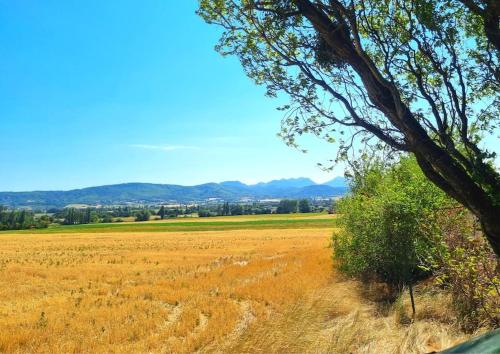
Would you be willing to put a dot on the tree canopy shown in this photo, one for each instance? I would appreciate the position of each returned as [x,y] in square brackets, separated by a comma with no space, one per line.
[419,76]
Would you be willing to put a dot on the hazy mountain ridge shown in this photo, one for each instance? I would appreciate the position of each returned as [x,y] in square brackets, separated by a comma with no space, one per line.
[156,193]
[337,182]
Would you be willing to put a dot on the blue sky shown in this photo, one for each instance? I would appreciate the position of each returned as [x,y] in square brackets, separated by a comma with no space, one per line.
[102,92]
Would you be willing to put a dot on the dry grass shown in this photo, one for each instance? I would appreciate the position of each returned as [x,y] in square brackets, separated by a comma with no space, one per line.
[339,319]
[225,291]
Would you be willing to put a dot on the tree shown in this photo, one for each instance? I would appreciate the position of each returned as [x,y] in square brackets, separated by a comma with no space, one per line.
[236,209]
[226,209]
[418,76]
[107,218]
[87,216]
[24,219]
[304,206]
[70,216]
[287,206]
[142,215]
[162,212]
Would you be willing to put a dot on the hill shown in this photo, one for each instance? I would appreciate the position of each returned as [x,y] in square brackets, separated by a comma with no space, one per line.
[162,193]
[337,182]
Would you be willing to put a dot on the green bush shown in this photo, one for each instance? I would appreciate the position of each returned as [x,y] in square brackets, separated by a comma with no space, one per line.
[388,223]
[397,227]
[143,215]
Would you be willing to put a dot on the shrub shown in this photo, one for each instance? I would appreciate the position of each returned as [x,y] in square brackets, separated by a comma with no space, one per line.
[467,266]
[387,224]
[142,215]
[107,218]
[304,206]
[397,228]
[206,213]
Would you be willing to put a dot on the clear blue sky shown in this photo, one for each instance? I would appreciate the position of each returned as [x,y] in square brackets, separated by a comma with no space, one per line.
[101,92]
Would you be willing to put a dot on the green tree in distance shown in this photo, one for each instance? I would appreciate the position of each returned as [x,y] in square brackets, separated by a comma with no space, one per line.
[418,76]
[287,206]
[142,215]
[304,206]
[162,212]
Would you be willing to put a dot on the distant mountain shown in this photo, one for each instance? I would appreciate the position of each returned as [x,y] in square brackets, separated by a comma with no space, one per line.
[146,193]
[337,182]
[287,183]
[318,190]
[233,184]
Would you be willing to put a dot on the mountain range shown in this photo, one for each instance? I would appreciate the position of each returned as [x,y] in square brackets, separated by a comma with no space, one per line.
[144,193]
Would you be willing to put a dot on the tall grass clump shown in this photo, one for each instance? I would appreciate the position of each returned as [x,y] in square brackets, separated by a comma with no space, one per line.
[398,228]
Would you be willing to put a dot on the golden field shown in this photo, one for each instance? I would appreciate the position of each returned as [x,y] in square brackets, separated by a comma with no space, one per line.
[209,291]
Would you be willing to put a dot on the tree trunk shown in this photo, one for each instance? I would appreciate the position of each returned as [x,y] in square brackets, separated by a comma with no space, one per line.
[483,208]
[491,229]
[410,289]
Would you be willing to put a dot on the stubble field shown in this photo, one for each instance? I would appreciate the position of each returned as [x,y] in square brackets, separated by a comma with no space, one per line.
[245,290]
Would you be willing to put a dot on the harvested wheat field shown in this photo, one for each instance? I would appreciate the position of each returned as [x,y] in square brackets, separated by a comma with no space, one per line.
[210,291]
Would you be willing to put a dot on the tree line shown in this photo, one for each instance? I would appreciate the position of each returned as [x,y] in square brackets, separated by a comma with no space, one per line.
[25,219]
[21,219]
[284,206]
